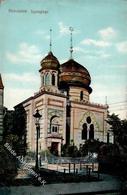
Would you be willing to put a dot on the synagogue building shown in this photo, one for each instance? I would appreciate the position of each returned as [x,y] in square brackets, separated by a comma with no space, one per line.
[63,100]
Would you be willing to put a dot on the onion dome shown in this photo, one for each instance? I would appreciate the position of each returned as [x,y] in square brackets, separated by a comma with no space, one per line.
[74,74]
[50,62]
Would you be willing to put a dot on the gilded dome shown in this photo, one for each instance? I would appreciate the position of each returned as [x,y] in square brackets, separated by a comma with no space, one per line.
[50,62]
[74,74]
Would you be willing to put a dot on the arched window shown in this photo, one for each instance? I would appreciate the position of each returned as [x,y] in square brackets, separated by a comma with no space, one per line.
[55,128]
[47,79]
[42,79]
[54,124]
[53,79]
[81,95]
[91,132]
[84,131]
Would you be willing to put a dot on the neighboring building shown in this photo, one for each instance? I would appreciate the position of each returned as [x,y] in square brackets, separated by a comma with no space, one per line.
[63,100]
[1,107]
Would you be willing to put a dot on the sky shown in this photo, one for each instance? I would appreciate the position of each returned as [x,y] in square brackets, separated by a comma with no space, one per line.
[99,43]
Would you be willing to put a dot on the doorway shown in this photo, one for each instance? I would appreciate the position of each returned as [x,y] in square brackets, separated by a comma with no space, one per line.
[54,148]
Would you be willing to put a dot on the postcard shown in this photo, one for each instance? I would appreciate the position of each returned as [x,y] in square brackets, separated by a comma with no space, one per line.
[63,97]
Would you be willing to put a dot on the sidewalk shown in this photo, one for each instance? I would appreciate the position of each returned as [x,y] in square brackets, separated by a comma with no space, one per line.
[109,183]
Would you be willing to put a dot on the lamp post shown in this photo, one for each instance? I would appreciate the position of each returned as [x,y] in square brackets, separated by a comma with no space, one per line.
[37,117]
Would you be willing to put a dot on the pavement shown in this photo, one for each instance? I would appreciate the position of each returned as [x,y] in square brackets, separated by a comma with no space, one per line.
[108,183]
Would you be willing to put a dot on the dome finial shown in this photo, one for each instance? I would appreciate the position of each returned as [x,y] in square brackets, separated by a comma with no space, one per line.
[50,44]
[71,43]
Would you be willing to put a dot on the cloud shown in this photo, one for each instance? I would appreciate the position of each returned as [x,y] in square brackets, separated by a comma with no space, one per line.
[96,43]
[119,66]
[65,30]
[42,34]
[104,55]
[92,54]
[19,87]
[27,54]
[25,77]
[62,60]
[123,66]
[122,47]
[39,32]
[107,33]
[14,96]
[105,36]
[79,49]
[100,91]
[104,77]
[47,37]
[98,55]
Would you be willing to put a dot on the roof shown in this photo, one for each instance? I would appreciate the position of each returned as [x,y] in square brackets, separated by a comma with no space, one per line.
[39,94]
[1,83]
[74,74]
[49,62]
[73,66]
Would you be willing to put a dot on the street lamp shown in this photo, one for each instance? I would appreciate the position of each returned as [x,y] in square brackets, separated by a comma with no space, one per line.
[37,117]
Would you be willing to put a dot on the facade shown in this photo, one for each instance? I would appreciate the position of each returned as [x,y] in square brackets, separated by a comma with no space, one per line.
[63,100]
[1,107]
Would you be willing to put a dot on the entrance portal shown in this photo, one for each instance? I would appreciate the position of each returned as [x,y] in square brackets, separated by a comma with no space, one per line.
[54,148]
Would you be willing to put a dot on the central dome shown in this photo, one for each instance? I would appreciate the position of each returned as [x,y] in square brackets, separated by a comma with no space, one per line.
[74,74]
[50,62]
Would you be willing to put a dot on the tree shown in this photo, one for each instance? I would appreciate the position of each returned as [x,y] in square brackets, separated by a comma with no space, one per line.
[117,153]
[119,129]
[122,136]
[19,129]
[70,150]
[15,128]
[115,125]
[8,122]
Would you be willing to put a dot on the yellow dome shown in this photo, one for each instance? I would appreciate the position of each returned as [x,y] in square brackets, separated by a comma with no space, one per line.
[74,74]
[50,62]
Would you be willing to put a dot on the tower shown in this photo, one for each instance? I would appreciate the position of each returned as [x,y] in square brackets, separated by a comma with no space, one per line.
[1,107]
[75,78]
[49,71]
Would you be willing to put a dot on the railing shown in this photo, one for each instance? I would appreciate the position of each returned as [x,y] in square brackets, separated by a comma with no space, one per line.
[63,160]
[81,165]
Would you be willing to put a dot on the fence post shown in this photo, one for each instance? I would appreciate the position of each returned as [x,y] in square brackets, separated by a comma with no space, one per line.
[98,174]
[74,167]
[89,169]
[92,167]
[80,166]
[69,167]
